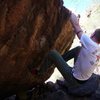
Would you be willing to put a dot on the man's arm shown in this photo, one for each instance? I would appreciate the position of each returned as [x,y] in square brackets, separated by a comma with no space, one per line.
[76,26]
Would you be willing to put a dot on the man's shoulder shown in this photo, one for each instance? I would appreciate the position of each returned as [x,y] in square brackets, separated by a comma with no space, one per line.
[84,37]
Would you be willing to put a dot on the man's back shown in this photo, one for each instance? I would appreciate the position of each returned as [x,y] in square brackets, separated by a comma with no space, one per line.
[87,59]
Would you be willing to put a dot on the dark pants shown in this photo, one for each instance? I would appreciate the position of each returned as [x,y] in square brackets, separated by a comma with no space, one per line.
[60,62]
[73,53]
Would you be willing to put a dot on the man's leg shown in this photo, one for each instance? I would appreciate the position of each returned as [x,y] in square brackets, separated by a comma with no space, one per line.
[73,53]
[62,66]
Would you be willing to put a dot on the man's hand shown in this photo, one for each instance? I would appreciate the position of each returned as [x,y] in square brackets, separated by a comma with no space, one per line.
[74,19]
[75,23]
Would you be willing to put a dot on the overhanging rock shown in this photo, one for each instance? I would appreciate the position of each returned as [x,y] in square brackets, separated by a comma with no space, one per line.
[28,30]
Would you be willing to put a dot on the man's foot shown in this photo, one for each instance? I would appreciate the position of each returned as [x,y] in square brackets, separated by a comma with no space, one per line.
[35,71]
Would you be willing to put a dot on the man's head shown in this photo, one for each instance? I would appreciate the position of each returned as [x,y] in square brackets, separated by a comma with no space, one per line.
[96,35]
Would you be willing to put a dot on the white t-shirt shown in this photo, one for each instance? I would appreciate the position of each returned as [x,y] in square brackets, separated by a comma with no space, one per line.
[87,60]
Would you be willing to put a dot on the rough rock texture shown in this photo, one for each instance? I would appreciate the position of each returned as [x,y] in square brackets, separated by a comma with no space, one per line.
[28,30]
[54,91]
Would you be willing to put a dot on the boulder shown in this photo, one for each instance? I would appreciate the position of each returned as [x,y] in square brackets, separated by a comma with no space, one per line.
[28,30]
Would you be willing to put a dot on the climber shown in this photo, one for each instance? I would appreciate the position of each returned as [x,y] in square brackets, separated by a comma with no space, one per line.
[80,79]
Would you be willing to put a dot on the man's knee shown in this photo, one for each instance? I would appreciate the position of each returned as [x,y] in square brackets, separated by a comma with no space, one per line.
[53,53]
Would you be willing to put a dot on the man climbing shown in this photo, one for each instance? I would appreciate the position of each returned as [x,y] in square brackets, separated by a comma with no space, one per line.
[80,77]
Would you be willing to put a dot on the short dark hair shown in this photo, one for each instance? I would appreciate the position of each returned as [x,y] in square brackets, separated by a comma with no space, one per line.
[97,35]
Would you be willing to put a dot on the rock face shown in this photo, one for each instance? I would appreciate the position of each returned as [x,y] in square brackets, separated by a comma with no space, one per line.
[28,30]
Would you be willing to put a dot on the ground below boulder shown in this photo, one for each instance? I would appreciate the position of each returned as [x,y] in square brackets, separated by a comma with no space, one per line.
[54,91]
